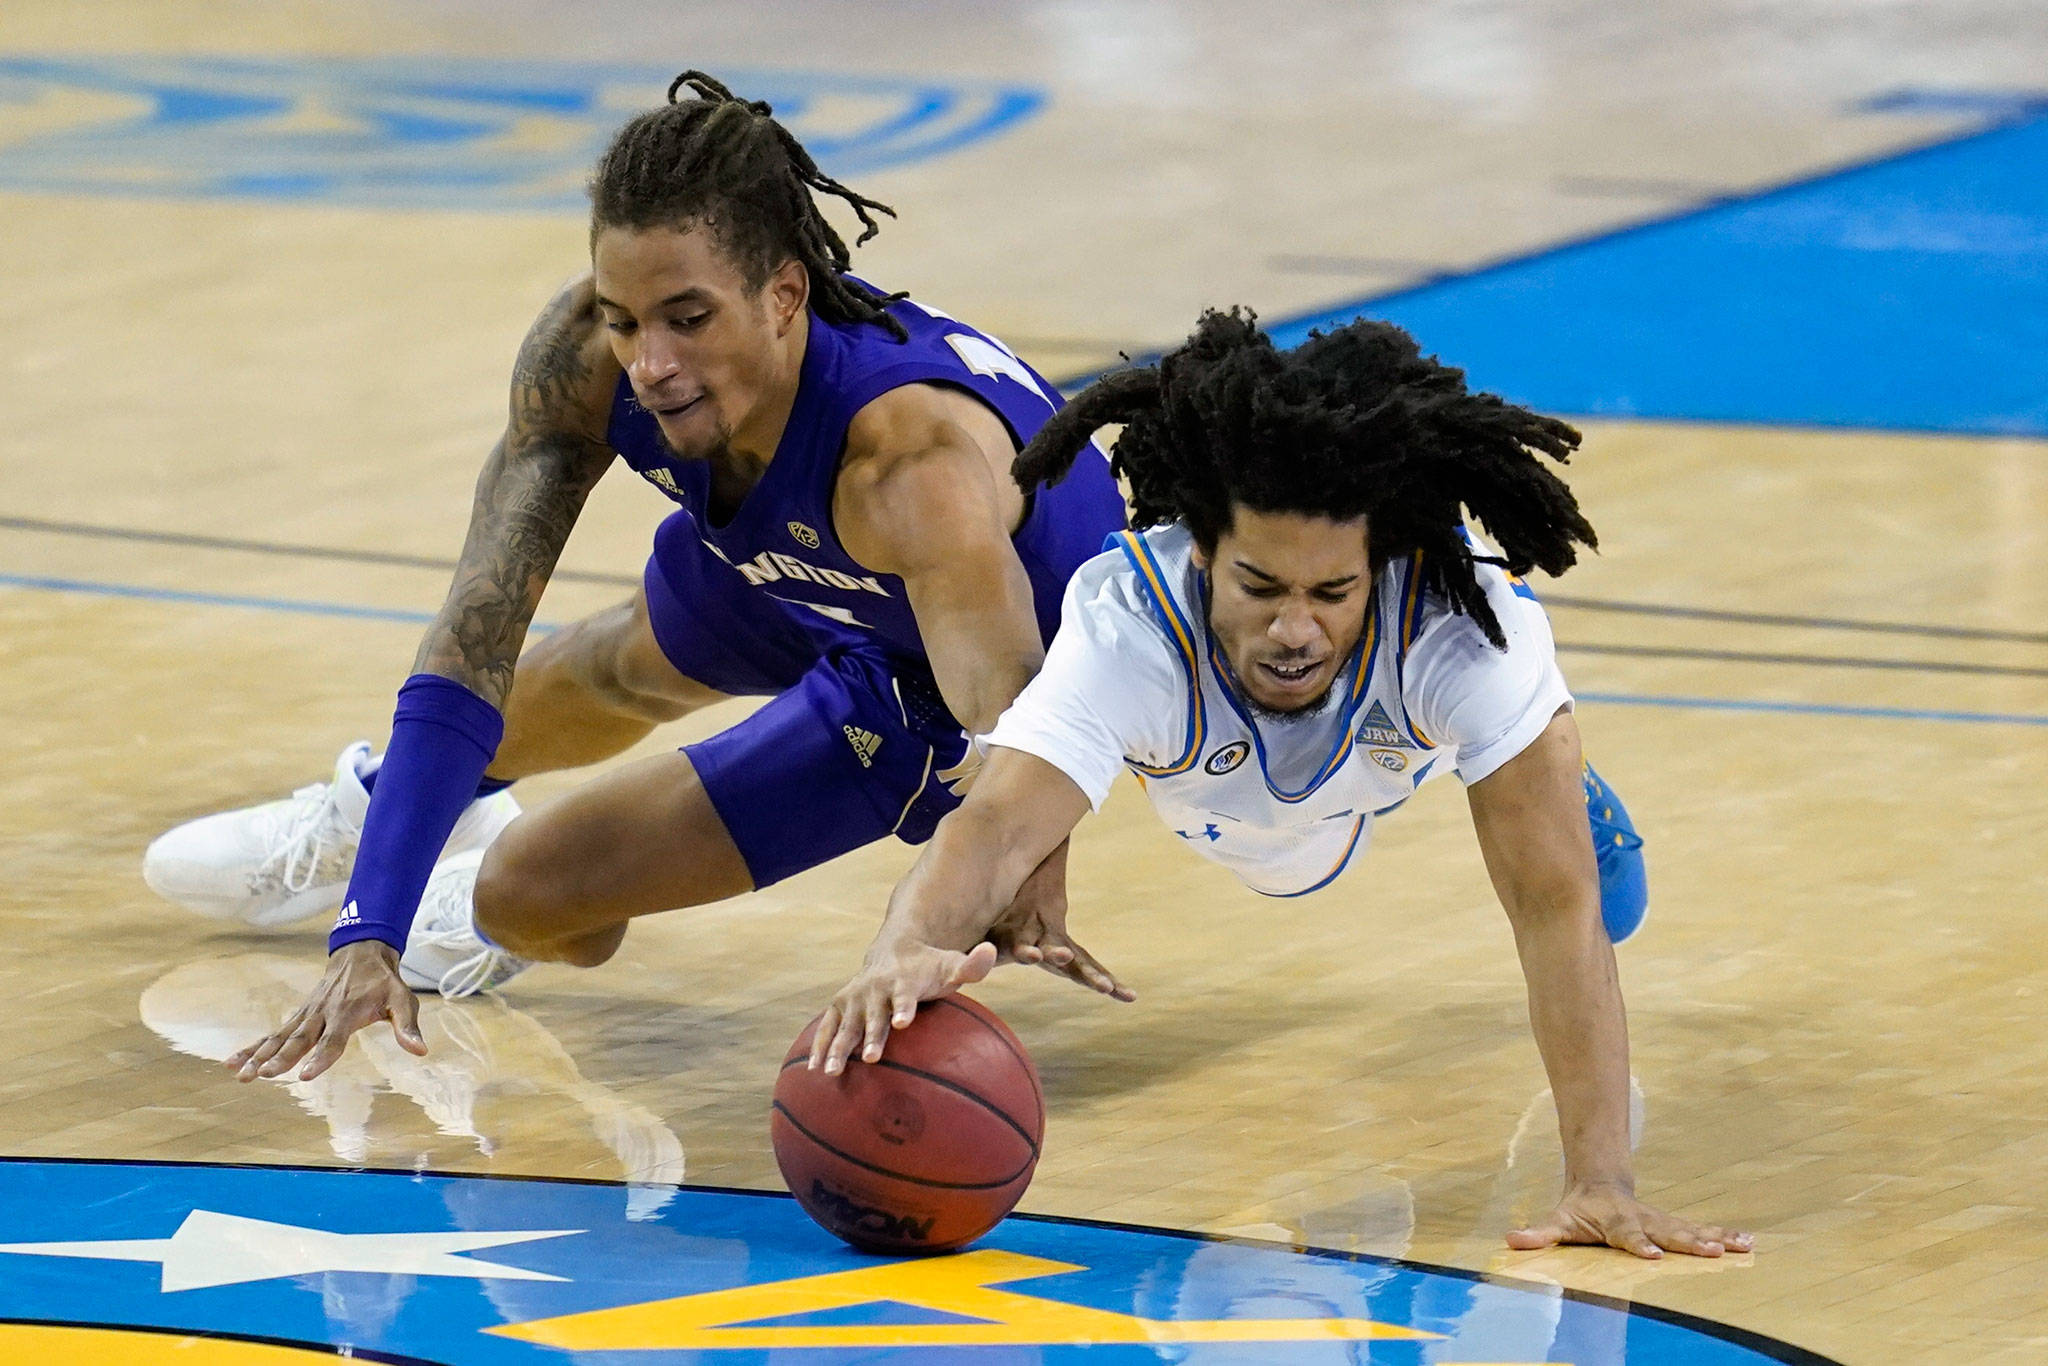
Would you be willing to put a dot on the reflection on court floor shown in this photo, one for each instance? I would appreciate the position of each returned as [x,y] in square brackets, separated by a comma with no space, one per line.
[214,1006]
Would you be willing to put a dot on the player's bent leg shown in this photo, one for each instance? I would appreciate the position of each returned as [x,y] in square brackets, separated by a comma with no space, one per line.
[591,690]
[562,882]
[1618,850]
[855,751]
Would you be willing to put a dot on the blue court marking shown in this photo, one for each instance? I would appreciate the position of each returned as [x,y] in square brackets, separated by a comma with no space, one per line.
[571,1272]
[1908,293]
[1622,699]
[301,606]
[1551,598]
[433,133]
[291,550]
[342,609]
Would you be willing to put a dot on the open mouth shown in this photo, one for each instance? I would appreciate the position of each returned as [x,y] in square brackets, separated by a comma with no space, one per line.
[1290,677]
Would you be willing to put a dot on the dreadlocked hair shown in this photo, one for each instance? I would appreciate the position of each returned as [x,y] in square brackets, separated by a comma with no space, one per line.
[723,161]
[1355,422]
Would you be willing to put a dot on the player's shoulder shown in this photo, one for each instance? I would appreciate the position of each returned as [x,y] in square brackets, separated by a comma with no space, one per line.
[1429,610]
[1123,598]
[910,420]
[566,374]
[1438,642]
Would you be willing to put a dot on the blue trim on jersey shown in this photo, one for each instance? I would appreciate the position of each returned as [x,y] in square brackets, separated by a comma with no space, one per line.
[1364,656]
[1178,630]
[1343,862]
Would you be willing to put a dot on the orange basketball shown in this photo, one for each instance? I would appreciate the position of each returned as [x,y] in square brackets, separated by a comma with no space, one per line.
[923,1151]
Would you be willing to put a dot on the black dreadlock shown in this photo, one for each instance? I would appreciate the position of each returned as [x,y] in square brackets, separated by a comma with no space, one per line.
[1356,422]
[725,162]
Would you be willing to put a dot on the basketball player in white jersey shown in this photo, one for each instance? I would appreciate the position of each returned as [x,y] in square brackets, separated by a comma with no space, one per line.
[1302,633]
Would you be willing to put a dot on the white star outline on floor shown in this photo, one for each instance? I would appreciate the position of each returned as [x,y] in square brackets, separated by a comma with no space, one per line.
[211,1249]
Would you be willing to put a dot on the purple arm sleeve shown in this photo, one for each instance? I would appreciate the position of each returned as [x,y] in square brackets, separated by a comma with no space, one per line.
[442,736]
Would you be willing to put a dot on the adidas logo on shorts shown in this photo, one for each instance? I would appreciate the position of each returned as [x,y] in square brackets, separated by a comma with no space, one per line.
[865,743]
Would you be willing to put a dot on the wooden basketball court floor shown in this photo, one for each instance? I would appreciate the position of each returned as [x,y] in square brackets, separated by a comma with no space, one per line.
[1837,1006]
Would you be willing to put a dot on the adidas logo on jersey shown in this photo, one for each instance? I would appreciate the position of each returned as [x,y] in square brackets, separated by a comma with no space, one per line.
[865,743]
[1378,729]
[663,480]
[350,915]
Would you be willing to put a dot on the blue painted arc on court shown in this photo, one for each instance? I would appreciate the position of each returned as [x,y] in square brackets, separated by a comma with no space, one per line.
[1907,294]
[503,1271]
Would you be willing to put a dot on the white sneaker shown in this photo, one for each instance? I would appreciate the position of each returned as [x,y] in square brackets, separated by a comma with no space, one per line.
[285,860]
[444,953]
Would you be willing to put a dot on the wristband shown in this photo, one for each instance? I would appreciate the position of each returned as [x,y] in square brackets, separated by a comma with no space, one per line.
[442,737]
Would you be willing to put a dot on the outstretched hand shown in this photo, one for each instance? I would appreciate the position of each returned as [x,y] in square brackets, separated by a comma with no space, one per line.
[361,986]
[885,994]
[1033,931]
[1613,1217]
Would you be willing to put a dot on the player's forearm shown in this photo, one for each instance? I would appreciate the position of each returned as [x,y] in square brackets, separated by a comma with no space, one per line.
[967,876]
[527,503]
[980,632]
[983,657]
[1581,1029]
[995,686]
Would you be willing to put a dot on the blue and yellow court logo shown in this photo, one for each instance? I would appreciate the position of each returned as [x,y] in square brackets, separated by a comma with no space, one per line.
[255,1266]
[422,132]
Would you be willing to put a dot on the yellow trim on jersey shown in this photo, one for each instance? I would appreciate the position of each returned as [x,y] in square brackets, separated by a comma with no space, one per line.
[1140,555]
[1411,627]
[1411,603]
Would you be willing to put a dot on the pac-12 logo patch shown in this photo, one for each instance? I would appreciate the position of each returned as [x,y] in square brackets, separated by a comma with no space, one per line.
[805,537]
[1389,760]
[1227,758]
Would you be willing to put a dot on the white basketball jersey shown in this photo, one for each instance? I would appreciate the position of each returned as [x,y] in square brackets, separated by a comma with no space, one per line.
[1284,803]
[1134,681]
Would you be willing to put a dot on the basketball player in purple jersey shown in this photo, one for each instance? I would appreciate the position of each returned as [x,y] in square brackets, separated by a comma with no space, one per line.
[849,543]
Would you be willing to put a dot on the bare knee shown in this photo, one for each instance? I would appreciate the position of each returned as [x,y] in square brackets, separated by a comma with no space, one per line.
[524,905]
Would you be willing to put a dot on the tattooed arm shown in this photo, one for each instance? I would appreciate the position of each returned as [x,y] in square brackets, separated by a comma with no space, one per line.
[528,498]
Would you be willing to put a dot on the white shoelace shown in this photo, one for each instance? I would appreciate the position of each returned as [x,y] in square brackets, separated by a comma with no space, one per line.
[312,829]
[478,969]
[472,974]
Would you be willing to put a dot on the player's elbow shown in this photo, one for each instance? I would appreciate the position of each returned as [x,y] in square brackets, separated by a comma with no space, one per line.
[1549,900]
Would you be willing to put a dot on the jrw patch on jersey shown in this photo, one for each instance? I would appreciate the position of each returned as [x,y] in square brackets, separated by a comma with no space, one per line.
[1379,729]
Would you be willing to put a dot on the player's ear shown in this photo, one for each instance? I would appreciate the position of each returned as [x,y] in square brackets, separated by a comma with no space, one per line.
[789,291]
